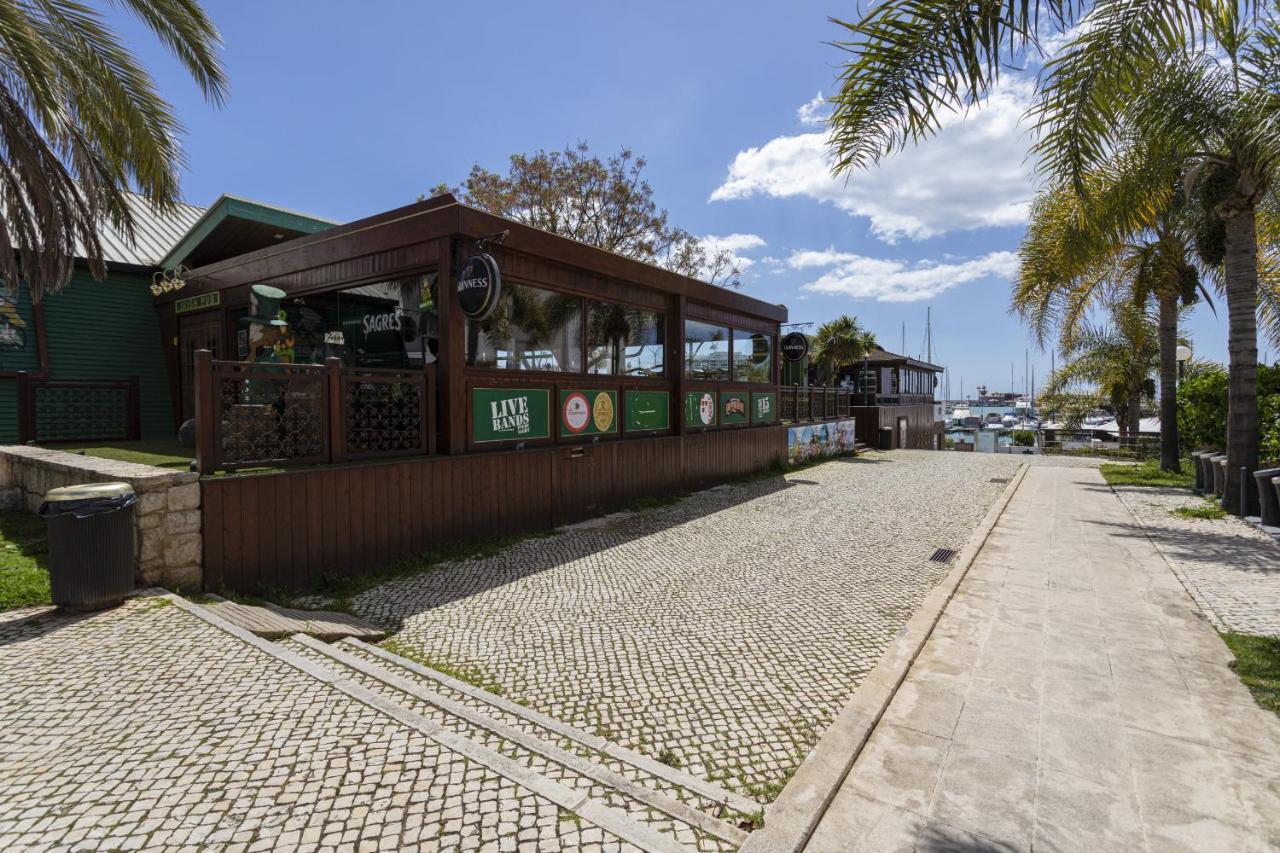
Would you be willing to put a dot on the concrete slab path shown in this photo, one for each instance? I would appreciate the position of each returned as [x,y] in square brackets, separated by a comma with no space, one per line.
[1071,697]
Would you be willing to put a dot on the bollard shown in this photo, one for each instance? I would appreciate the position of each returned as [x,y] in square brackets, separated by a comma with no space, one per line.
[1268,506]
[1242,509]
[1198,488]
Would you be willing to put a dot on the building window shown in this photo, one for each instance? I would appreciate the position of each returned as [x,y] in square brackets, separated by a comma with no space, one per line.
[706,351]
[752,356]
[530,329]
[624,341]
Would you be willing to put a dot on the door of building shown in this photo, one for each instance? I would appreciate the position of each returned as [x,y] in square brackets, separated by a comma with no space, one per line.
[202,331]
[902,432]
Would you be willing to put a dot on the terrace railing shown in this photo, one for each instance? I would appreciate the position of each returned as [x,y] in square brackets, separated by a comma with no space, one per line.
[55,410]
[803,405]
[251,415]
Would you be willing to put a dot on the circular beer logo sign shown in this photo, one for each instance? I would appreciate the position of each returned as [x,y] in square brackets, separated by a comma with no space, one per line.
[602,412]
[795,346]
[577,412]
[707,409]
[479,284]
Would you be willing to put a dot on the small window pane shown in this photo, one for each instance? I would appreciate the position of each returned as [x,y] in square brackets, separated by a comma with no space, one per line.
[706,351]
[752,356]
[624,341]
[530,329]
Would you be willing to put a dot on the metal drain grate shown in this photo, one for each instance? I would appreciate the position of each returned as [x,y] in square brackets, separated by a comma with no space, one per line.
[943,555]
[998,480]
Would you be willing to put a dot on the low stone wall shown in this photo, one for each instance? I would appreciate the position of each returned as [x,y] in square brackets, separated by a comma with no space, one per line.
[167,514]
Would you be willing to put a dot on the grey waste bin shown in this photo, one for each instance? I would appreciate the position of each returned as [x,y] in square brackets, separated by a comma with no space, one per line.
[91,544]
[1198,470]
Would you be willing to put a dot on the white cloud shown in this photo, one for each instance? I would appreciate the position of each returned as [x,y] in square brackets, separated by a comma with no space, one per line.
[886,280]
[973,174]
[735,245]
[814,112]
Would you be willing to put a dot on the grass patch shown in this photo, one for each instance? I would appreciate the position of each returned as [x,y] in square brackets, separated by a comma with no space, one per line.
[24,561]
[1209,511]
[1258,665]
[1148,474]
[669,758]
[162,453]
[470,675]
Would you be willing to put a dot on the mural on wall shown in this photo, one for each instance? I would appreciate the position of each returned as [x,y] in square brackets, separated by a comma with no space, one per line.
[13,333]
[814,440]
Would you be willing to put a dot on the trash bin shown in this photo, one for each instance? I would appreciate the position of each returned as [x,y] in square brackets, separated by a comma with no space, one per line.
[91,544]
[886,438]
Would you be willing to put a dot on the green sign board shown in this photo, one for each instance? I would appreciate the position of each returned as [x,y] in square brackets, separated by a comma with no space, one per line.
[764,407]
[700,409]
[734,408]
[588,412]
[648,410]
[196,303]
[510,414]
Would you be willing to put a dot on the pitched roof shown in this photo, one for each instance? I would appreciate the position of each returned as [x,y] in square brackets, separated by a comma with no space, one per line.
[880,355]
[154,233]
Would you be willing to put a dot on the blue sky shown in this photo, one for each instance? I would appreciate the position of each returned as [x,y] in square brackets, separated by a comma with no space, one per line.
[347,109]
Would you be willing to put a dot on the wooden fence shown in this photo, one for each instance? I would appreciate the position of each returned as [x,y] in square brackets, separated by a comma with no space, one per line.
[55,410]
[284,415]
[286,530]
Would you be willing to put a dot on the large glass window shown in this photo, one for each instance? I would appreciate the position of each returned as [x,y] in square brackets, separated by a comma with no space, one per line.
[706,350]
[752,356]
[624,341]
[530,329]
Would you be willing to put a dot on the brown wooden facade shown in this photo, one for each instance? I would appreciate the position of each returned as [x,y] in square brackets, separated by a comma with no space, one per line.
[284,529]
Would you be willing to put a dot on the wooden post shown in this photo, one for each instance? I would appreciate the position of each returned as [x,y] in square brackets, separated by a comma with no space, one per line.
[206,412]
[452,404]
[336,405]
[678,369]
[133,408]
[26,409]
[429,409]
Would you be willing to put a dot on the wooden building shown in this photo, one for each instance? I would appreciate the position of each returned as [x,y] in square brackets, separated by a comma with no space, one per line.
[455,375]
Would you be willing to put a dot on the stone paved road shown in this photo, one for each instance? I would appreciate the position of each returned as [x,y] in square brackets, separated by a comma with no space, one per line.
[722,633]
[1231,570]
[1071,698]
[146,728]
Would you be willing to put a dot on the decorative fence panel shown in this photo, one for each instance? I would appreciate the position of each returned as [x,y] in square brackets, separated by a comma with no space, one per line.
[51,410]
[281,415]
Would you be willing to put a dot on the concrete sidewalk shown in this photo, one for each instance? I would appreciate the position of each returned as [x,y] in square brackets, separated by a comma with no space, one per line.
[1070,698]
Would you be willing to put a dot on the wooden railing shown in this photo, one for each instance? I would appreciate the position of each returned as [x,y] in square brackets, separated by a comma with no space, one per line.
[805,405]
[54,410]
[252,415]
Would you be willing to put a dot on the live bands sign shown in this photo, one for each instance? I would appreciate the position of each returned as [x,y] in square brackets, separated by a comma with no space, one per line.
[479,286]
[510,414]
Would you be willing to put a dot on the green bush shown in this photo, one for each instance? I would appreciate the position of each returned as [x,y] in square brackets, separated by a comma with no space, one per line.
[1202,410]
[1024,437]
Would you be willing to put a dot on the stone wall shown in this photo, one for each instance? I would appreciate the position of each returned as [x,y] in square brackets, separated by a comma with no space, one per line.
[167,514]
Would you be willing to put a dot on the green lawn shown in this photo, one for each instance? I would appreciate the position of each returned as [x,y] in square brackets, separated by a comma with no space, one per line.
[162,453]
[1258,665]
[24,554]
[1149,474]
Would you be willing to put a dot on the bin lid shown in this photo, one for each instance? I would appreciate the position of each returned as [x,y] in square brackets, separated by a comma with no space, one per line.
[88,490]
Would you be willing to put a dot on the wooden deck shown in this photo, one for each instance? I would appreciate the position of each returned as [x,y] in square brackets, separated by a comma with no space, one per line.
[273,622]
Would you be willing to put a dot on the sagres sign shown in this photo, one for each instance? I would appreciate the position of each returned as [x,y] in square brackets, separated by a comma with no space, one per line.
[588,412]
[510,414]
[647,410]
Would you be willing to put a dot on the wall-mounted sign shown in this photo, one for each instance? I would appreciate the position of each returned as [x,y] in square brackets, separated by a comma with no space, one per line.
[700,409]
[510,414]
[588,412]
[187,304]
[795,346]
[479,285]
[733,407]
[648,410]
[764,407]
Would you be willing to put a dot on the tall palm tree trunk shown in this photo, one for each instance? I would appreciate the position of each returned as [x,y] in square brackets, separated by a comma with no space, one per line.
[1169,383]
[1240,265]
[1134,404]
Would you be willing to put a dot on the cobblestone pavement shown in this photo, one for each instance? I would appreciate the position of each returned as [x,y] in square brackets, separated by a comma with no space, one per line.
[722,633]
[1231,570]
[1070,698]
[145,727]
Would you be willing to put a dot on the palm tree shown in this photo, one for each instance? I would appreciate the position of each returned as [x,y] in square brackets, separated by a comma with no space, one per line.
[81,123]
[1116,358]
[840,342]
[1071,262]
[1190,83]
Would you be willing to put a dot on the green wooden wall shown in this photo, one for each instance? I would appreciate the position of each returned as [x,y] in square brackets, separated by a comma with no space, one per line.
[100,330]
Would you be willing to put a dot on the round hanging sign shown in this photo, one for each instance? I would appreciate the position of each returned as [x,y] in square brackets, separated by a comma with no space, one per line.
[795,346]
[479,284]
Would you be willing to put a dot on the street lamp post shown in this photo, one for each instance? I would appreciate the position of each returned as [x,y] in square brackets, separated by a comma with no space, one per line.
[1184,355]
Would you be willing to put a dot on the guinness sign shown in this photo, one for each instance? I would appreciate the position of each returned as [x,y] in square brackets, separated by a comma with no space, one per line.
[795,346]
[479,284]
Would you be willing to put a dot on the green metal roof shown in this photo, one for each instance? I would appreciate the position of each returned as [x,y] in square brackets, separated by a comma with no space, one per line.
[228,207]
[154,233]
